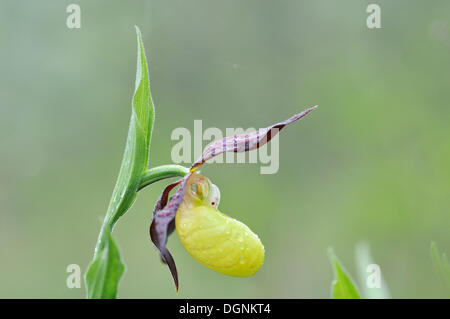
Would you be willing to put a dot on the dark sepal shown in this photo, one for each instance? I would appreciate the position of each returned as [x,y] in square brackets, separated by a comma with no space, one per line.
[245,142]
[163,222]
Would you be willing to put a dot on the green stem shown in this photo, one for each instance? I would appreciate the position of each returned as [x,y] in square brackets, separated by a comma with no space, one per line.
[161,172]
[149,176]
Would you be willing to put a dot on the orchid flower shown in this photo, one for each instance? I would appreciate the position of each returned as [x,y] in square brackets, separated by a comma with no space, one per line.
[214,239]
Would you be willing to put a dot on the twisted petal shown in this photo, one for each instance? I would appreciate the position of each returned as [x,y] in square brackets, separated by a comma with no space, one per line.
[163,223]
[245,142]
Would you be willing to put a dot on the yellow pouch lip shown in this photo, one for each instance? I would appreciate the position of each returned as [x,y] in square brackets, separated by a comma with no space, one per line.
[214,239]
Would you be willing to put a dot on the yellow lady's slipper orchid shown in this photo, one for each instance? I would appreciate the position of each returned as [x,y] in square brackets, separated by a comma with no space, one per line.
[214,239]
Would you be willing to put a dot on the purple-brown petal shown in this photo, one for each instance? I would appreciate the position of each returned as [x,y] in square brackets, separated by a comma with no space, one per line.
[245,142]
[163,222]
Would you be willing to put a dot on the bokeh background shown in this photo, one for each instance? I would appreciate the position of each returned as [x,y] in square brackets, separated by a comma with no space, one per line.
[372,163]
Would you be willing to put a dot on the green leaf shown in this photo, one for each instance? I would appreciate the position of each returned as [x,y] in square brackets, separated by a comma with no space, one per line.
[441,264]
[105,272]
[134,164]
[135,157]
[364,259]
[342,286]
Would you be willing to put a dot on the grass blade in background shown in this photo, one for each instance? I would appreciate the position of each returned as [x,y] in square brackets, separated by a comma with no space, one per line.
[364,259]
[342,286]
[442,265]
[103,275]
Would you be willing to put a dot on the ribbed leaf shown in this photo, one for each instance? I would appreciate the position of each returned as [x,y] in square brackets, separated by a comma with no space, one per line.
[104,273]
[135,157]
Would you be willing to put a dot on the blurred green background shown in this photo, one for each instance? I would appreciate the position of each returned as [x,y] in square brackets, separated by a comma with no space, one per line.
[372,163]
